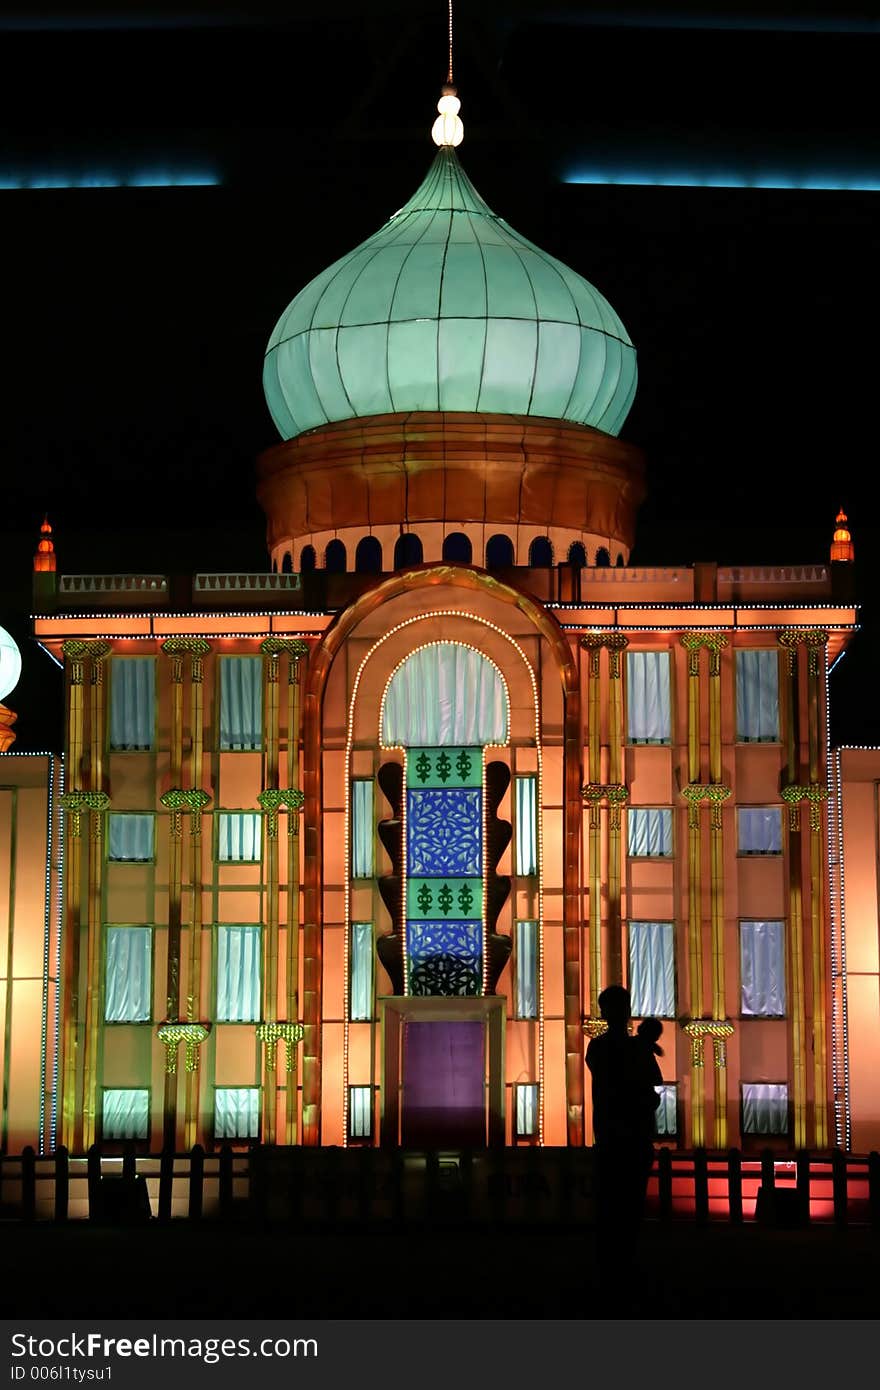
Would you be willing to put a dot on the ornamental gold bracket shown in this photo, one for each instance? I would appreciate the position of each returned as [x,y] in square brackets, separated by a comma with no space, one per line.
[77,802]
[271,1034]
[179,647]
[595,1027]
[613,792]
[274,647]
[693,643]
[813,638]
[614,642]
[77,652]
[171,1035]
[695,793]
[814,793]
[699,1029]
[177,801]
[272,801]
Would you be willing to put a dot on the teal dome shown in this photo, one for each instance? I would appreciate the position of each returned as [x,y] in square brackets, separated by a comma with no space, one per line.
[446,307]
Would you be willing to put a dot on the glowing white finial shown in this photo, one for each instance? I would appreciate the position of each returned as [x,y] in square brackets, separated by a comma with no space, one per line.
[448,129]
[10,663]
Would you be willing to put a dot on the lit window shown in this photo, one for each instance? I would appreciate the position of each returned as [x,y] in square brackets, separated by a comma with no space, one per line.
[526,965]
[125,1113]
[241,703]
[764,1107]
[526,1109]
[132,703]
[762,969]
[130,837]
[651,969]
[360,1112]
[362,828]
[666,1114]
[526,807]
[648,704]
[239,837]
[759,830]
[649,833]
[757,697]
[238,974]
[361,984]
[128,975]
[236,1112]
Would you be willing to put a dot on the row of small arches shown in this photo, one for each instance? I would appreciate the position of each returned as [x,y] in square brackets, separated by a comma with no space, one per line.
[457,549]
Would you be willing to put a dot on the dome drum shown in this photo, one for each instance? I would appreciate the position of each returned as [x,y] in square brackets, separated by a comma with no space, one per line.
[406,470]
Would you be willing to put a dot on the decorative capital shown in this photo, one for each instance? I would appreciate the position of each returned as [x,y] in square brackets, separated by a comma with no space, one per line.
[693,643]
[718,1030]
[271,1034]
[595,1027]
[814,793]
[75,803]
[186,646]
[171,1035]
[273,800]
[177,800]
[695,793]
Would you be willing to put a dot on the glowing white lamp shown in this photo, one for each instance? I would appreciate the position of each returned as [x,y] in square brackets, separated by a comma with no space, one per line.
[448,129]
[10,663]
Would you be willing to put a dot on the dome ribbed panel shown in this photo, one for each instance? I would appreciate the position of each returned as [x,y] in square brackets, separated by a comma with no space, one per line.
[447,307]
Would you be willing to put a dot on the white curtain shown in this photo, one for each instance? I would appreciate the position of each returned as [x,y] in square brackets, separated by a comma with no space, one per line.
[759,830]
[361,828]
[361,985]
[238,974]
[130,836]
[666,1114]
[241,702]
[125,1114]
[448,695]
[526,1108]
[128,976]
[132,701]
[526,808]
[236,1112]
[649,832]
[526,970]
[651,969]
[360,1113]
[762,968]
[757,696]
[649,713]
[765,1108]
[239,837]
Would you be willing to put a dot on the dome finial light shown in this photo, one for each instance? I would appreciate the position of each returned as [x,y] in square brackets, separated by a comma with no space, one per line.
[448,129]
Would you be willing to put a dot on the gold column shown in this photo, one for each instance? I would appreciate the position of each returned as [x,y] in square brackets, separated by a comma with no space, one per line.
[792,795]
[97,652]
[816,642]
[692,642]
[172,985]
[715,642]
[74,654]
[592,644]
[297,651]
[616,795]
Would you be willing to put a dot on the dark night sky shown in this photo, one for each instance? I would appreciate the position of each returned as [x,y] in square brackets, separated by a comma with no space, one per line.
[135,319]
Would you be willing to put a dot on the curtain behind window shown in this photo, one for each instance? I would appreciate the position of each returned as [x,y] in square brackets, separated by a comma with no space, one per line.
[361,985]
[239,837]
[360,1113]
[128,975]
[762,968]
[130,837]
[526,962]
[757,697]
[125,1114]
[759,830]
[649,832]
[526,1109]
[132,702]
[361,828]
[236,1112]
[241,702]
[666,1114]
[445,694]
[526,809]
[238,975]
[765,1108]
[651,969]
[648,703]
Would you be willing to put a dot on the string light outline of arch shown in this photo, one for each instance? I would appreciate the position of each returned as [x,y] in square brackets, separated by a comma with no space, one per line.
[346,1022]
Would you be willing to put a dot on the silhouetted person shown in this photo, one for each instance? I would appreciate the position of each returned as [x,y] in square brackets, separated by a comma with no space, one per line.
[625,1073]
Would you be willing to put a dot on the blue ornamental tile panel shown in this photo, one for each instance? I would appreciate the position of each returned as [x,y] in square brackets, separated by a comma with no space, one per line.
[445,958]
[444,832]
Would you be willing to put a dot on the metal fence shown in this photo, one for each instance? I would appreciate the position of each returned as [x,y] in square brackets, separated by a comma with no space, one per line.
[385,1186]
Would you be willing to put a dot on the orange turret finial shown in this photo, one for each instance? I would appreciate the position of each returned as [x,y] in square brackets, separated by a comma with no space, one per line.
[842,548]
[44,560]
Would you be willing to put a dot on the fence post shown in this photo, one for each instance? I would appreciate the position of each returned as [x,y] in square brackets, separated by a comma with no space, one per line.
[802,1165]
[28,1184]
[196,1181]
[431,1189]
[129,1161]
[62,1183]
[767,1194]
[874,1187]
[701,1186]
[735,1187]
[838,1185]
[664,1184]
[166,1183]
[93,1170]
[224,1183]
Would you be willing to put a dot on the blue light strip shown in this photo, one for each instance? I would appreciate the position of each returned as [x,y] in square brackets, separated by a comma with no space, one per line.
[695,178]
[138,179]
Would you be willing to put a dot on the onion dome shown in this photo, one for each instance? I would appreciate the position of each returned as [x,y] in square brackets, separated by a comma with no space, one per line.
[447,308]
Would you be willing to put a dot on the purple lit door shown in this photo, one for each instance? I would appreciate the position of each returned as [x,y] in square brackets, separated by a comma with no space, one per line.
[443,1085]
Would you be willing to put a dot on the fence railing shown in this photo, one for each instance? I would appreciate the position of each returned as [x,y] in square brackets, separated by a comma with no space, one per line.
[524,1184]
